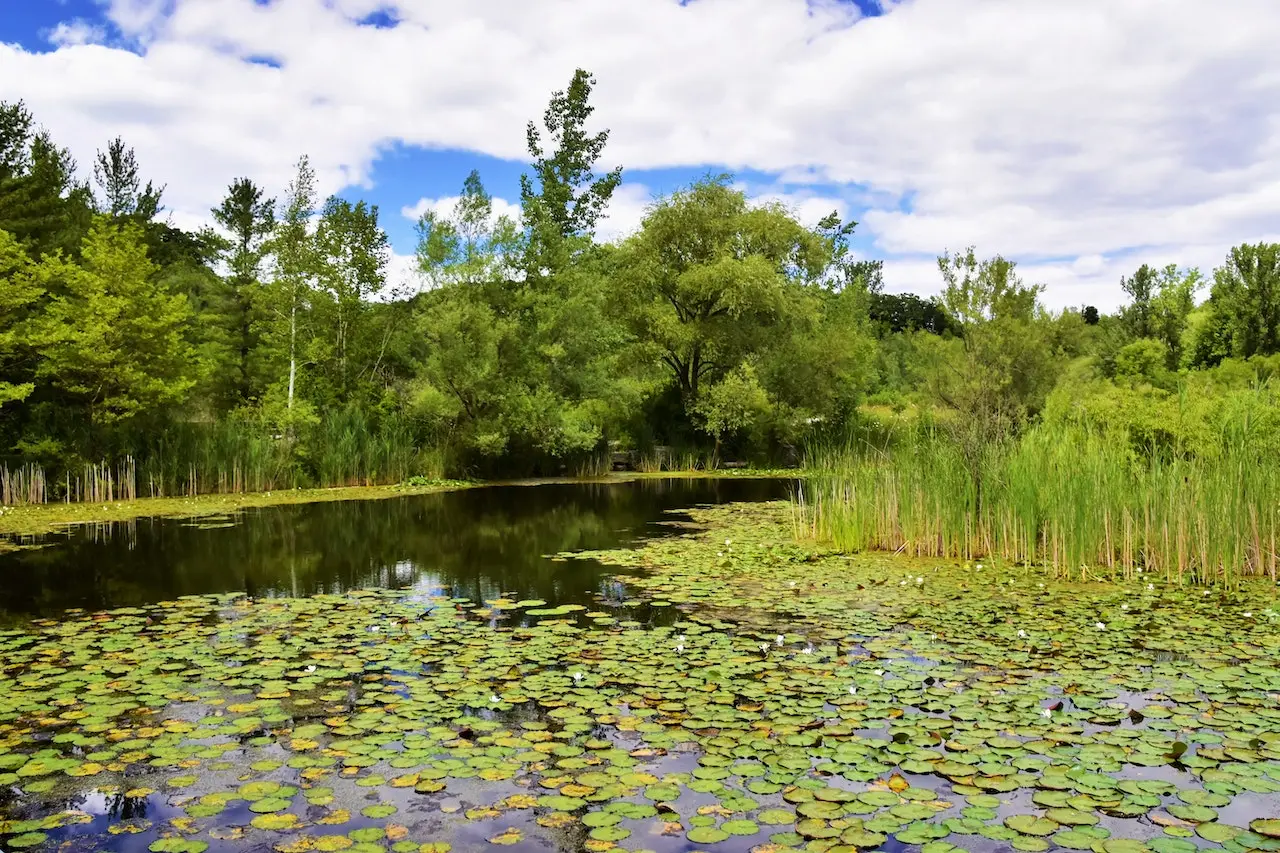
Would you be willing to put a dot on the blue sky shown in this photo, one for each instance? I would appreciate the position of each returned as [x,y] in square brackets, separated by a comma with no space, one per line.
[1066,136]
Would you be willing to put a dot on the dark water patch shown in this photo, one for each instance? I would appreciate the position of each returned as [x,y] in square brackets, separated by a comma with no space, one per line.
[477,543]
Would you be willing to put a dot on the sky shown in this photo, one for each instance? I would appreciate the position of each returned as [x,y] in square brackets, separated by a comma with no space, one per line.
[1080,138]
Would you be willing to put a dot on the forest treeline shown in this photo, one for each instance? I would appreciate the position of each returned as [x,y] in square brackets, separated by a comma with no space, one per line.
[267,351]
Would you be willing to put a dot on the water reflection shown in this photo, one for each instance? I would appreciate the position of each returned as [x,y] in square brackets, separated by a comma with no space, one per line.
[478,544]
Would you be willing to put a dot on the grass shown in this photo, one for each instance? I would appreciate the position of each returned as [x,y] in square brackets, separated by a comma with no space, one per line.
[1082,502]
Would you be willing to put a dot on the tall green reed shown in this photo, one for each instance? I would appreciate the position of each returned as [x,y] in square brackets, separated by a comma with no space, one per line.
[1083,502]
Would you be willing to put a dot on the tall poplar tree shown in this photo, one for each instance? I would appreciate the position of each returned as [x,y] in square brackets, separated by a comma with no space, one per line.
[295,267]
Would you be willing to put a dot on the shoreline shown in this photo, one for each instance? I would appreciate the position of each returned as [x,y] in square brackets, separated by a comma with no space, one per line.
[36,520]
[45,519]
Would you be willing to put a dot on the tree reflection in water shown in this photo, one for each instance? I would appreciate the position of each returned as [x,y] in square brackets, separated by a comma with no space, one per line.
[476,543]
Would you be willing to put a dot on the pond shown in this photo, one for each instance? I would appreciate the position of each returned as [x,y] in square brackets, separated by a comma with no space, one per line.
[474,542]
[712,684]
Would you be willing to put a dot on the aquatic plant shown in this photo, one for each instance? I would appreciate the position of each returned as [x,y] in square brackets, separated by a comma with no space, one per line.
[912,711]
[1080,501]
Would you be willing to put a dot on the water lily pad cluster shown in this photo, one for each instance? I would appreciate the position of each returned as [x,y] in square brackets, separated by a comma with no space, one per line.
[795,699]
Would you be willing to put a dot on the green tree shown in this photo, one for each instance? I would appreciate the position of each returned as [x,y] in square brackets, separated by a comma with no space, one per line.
[288,296]
[1246,301]
[111,338]
[1141,288]
[123,195]
[468,244]
[1170,307]
[998,373]
[705,282]
[569,198]
[737,403]
[247,217]
[19,294]
[41,204]
[353,255]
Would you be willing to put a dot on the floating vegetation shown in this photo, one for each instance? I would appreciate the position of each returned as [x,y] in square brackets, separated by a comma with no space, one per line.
[803,700]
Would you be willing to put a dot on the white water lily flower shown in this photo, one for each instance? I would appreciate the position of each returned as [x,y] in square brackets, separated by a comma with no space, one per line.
[1046,713]
[979,565]
[728,542]
[919,579]
[719,553]
[1151,586]
[780,639]
[764,647]
[793,583]
[680,639]
[577,676]
[1021,633]
[1099,626]
[494,699]
[879,672]
[310,668]
[680,647]
[853,691]
[1124,607]
[808,650]
[1042,586]
[1248,614]
[375,629]
[902,583]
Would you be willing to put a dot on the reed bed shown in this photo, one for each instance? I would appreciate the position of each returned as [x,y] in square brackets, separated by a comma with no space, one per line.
[1083,502]
[347,449]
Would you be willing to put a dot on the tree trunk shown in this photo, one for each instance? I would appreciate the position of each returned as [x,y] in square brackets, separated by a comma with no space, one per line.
[293,361]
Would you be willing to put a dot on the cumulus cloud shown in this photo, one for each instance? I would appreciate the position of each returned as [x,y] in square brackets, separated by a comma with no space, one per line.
[75,32]
[1086,130]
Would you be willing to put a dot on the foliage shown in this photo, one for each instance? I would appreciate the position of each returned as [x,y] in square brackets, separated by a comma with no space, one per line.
[111,338]
[19,294]
[995,376]
[1245,305]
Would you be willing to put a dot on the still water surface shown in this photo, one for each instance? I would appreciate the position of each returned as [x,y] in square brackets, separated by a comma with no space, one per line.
[475,543]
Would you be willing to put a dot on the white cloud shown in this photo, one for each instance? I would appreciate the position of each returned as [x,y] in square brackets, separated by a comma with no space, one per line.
[75,32]
[1036,130]
[445,207]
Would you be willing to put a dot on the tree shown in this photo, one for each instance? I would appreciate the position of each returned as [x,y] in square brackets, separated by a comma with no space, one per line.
[1246,301]
[1000,369]
[18,296]
[734,404]
[1170,307]
[705,281]
[296,266]
[569,198]
[40,202]
[1141,288]
[1090,314]
[111,337]
[248,218]
[116,173]
[353,255]
[468,245]
[906,312]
